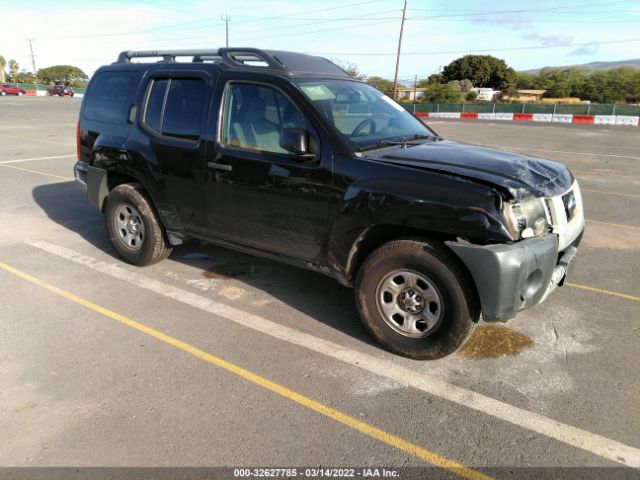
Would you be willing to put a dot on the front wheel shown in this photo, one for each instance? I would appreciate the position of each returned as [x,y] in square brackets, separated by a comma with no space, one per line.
[134,228]
[416,299]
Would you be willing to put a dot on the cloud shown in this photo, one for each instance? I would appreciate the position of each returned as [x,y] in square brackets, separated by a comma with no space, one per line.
[513,22]
[589,49]
[549,40]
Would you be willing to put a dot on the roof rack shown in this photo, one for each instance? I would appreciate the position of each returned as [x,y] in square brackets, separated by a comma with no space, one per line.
[286,62]
[233,57]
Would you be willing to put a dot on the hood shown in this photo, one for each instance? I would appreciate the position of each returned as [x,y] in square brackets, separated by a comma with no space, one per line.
[521,175]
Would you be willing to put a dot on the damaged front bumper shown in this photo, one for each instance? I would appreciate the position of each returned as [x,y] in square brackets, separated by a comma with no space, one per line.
[512,277]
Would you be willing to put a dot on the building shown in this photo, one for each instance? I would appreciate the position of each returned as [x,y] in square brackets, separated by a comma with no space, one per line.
[527,96]
[407,94]
[485,94]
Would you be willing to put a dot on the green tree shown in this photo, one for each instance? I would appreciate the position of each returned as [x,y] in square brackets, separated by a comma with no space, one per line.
[442,94]
[24,77]
[482,71]
[382,84]
[14,67]
[471,96]
[62,74]
[351,68]
[3,63]
[562,82]
[433,79]
[525,81]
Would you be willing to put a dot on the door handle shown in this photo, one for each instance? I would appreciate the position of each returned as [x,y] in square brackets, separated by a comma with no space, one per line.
[219,166]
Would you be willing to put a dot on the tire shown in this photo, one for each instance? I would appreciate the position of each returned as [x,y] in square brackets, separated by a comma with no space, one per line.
[134,228]
[402,276]
[3,93]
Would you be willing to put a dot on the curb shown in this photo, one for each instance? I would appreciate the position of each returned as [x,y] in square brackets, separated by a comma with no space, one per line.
[626,120]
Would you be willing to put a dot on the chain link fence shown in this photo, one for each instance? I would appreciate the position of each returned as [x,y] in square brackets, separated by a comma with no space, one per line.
[40,87]
[558,108]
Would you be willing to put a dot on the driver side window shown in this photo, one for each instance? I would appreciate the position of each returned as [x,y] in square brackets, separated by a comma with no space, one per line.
[255,115]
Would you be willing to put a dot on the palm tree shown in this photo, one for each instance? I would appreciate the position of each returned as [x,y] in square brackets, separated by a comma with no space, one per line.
[3,63]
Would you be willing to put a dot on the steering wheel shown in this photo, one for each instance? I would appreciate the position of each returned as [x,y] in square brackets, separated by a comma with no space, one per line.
[367,121]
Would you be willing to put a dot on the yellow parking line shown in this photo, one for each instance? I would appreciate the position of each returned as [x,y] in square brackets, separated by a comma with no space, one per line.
[610,193]
[355,424]
[36,171]
[600,290]
[609,224]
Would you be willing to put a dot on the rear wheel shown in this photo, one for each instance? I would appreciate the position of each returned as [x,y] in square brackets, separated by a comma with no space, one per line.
[134,228]
[416,299]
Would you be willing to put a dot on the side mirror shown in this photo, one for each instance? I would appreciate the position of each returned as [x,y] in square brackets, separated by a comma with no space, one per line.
[296,140]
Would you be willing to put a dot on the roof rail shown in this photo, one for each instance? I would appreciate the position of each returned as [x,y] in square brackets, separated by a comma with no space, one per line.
[232,57]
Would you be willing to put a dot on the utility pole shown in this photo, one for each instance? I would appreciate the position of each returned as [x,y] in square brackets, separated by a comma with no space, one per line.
[415,88]
[33,57]
[395,78]
[226,19]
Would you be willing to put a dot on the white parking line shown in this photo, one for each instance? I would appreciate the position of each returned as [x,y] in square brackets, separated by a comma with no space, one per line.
[576,437]
[18,160]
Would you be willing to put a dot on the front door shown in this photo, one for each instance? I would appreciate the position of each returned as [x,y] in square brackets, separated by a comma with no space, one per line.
[259,194]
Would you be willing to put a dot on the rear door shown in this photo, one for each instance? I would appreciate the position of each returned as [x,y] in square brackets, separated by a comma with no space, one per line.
[174,110]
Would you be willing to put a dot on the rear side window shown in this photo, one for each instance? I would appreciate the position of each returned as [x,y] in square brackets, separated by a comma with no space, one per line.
[108,97]
[175,107]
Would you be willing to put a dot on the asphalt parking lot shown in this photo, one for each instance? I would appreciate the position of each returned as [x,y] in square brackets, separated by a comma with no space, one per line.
[214,358]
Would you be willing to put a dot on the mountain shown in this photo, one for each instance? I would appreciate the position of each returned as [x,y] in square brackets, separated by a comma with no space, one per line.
[598,65]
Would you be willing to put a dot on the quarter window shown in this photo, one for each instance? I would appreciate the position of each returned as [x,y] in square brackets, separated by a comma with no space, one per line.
[108,97]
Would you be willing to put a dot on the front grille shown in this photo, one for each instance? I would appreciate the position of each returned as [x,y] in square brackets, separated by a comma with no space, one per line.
[569,202]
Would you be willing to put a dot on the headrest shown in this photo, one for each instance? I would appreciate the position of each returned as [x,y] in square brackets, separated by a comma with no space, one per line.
[252,110]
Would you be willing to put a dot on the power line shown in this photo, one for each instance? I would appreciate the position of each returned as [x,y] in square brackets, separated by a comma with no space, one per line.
[486,50]
[530,10]
[361,18]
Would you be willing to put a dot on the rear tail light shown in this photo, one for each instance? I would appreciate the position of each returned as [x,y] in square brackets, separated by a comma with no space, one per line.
[78,140]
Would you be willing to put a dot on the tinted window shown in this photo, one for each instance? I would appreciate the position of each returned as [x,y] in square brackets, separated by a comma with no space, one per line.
[184,108]
[153,110]
[108,96]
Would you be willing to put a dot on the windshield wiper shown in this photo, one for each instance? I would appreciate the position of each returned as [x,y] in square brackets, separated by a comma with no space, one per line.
[405,142]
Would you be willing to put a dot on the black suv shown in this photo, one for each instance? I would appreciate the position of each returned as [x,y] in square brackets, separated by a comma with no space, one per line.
[286,156]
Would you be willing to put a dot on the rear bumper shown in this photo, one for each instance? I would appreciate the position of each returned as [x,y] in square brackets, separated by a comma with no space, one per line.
[92,182]
[512,277]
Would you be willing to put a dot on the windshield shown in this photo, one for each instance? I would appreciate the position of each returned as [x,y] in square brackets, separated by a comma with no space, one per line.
[363,114]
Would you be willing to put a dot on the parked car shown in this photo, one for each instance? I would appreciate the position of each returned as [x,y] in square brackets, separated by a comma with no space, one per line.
[6,89]
[285,156]
[60,91]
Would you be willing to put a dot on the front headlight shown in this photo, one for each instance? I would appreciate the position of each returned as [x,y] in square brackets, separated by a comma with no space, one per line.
[527,218]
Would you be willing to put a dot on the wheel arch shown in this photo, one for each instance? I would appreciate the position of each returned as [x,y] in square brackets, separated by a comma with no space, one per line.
[379,234]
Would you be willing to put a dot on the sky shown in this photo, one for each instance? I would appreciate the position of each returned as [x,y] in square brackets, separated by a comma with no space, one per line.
[525,34]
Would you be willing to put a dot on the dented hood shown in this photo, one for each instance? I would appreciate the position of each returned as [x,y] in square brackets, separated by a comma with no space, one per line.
[521,175]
